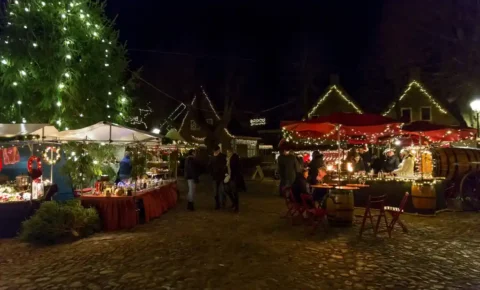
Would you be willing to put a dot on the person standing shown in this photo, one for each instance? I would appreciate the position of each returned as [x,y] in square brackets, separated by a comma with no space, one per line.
[234,182]
[407,167]
[218,165]
[287,169]
[315,164]
[191,175]
[366,157]
[125,170]
[391,162]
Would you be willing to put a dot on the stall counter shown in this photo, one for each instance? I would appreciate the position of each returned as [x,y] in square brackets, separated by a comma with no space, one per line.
[426,197]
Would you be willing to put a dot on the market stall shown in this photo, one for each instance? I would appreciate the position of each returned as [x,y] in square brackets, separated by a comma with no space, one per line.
[144,193]
[435,168]
[22,182]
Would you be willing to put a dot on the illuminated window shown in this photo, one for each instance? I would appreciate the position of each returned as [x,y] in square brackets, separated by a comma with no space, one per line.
[406,114]
[193,126]
[426,113]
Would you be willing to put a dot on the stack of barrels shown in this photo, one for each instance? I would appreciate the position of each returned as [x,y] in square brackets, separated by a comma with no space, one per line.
[452,164]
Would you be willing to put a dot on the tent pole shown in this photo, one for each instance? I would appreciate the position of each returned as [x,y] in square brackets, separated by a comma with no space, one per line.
[339,152]
[51,164]
[110,134]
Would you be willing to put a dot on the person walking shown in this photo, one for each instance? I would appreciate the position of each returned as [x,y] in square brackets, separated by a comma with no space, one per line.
[191,175]
[218,169]
[287,169]
[234,182]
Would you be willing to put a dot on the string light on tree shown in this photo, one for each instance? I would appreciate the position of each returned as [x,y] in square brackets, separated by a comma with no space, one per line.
[76,43]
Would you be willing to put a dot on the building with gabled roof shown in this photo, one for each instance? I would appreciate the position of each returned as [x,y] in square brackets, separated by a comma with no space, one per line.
[416,104]
[335,99]
[245,146]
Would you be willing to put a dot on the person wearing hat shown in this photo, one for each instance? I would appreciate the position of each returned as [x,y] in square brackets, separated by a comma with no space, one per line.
[391,161]
[406,168]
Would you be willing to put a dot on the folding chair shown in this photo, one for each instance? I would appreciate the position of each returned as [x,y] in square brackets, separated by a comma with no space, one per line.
[315,215]
[294,209]
[395,212]
[376,203]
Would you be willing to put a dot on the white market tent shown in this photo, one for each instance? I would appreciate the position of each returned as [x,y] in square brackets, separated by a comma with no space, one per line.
[108,133]
[44,131]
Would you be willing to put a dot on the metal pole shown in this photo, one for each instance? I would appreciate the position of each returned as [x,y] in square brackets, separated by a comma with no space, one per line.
[339,152]
[51,164]
[478,124]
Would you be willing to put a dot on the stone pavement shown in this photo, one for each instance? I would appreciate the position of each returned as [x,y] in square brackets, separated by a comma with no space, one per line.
[255,249]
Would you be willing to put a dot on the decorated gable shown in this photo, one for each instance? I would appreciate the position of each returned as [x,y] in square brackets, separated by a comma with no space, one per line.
[333,101]
[416,104]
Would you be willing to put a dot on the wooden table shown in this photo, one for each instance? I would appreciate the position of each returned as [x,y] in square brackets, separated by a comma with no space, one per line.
[326,186]
[359,185]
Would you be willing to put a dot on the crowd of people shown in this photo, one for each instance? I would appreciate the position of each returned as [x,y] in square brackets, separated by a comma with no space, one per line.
[294,172]
[226,174]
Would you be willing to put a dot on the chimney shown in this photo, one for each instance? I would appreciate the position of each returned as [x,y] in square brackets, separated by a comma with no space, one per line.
[334,79]
[414,74]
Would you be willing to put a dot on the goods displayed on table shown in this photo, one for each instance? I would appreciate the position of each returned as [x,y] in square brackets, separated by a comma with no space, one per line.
[22,190]
[157,167]
[126,187]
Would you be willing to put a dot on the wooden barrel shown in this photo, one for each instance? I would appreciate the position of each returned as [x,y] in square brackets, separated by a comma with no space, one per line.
[454,163]
[340,207]
[424,196]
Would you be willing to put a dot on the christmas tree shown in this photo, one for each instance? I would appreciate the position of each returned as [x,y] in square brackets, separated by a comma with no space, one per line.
[61,63]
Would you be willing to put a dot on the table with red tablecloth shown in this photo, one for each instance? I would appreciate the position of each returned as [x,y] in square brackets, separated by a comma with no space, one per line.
[158,200]
[119,213]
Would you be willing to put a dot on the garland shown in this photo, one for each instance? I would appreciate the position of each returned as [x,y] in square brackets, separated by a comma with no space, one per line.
[30,164]
[56,158]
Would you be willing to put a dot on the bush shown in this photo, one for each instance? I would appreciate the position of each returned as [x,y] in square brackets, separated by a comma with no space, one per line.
[55,222]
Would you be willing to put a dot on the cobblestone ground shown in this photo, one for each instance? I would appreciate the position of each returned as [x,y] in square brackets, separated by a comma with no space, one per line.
[255,249]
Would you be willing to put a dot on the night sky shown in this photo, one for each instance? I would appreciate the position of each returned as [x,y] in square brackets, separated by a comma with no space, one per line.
[264,43]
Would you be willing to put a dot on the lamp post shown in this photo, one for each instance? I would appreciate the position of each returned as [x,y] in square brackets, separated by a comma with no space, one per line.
[475,105]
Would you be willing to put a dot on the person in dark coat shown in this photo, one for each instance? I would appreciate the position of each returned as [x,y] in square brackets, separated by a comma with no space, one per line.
[315,164]
[191,175]
[125,170]
[366,157]
[234,182]
[391,161]
[358,164]
[287,169]
[377,164]
[300,186]
[218,169]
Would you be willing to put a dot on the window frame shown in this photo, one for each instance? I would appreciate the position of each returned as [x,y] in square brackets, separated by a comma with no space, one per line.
[406,108]
[421,114]
[193,125]
[209,121]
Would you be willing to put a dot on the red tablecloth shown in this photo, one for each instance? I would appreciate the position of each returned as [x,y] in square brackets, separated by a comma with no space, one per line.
[158,200]
[119,213]
[116,213]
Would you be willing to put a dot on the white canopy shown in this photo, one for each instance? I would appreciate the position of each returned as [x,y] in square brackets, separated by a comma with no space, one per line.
[42,130]
[106,132]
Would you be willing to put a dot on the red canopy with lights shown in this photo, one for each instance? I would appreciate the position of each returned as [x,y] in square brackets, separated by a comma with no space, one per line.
[356,128]
[434,133]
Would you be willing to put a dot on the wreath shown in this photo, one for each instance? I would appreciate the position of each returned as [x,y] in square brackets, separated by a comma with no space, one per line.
[56,155]
[34,172]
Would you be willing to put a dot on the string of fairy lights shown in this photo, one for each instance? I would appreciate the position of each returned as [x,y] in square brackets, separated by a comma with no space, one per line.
[70,14]
[423,90]
[341,94]
[212,109]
